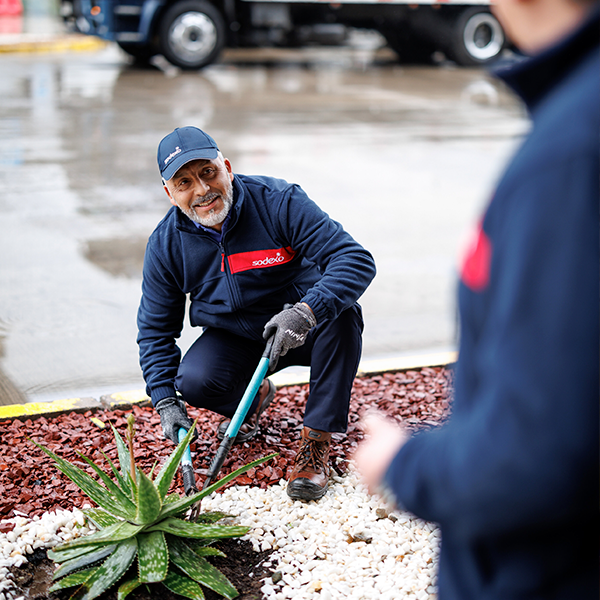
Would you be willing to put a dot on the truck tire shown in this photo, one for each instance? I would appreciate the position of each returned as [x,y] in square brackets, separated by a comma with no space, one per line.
[192,34]
[477,38]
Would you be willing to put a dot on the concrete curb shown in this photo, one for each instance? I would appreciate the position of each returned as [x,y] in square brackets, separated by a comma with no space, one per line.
[125,400]
[16,43]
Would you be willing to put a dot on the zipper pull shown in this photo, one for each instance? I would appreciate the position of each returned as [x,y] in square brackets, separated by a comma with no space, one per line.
[222,257]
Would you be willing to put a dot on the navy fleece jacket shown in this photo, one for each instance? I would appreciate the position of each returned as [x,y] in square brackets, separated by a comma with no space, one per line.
[512,478]
[279,247]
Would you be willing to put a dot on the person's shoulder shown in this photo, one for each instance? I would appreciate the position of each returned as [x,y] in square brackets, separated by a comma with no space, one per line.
[570,116]
[265,184]
[165,228]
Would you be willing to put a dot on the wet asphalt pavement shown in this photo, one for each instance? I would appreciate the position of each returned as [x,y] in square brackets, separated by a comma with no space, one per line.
[405,157]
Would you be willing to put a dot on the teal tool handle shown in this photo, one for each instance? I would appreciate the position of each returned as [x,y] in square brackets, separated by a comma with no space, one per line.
[246,401]
[187,469]
[250,393]
[186,459]
[240,415]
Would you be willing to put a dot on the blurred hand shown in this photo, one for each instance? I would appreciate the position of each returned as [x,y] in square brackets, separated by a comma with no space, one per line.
[383,440]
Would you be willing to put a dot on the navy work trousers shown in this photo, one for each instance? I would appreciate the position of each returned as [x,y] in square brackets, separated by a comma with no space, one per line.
[217,369]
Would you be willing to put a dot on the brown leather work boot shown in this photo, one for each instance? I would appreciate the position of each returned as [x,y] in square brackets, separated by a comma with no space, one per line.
[310,477]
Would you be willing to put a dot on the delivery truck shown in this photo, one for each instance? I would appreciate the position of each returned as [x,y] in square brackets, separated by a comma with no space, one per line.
[192,33]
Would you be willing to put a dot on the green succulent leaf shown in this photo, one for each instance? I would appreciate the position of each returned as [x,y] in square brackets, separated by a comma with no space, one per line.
[174,508]
[114,533]
[202,542]
[170,498]
[204,551]
[83,561]
[126,504]
[148,500]
[199,569]
[167,472]
[183,585]
[98,493]
[153,557]
[124,459]
[72,580]
[100,518]
[123,483]
[187,529]
[211,517]
[60,556]
[127,587]
[109,572]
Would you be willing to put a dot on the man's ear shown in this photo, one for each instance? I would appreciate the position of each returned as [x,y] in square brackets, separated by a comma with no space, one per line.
[169,194]
[228,167]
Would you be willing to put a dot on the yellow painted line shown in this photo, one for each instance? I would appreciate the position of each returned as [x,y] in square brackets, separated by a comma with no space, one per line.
[37,409]
[60,44]
[123,400]
[131,396]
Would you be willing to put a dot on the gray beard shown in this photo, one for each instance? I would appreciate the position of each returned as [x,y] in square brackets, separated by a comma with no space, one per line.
[213,218]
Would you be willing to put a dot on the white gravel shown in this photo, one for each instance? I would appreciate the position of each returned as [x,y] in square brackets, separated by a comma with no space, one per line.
[47,531]
[347,545]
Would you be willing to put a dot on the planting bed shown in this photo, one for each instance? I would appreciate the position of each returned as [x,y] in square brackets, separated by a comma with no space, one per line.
[31,486]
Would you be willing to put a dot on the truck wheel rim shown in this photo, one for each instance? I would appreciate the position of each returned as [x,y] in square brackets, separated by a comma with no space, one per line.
[193,36]
[483,36]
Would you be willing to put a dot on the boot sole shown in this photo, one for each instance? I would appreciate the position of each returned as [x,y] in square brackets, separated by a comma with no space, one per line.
[303,489]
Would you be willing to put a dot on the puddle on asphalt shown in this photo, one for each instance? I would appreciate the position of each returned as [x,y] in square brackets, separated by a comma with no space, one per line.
[403,156]
[121,257]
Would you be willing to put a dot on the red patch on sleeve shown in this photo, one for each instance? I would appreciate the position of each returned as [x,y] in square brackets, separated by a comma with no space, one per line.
[259,259]
[475,272]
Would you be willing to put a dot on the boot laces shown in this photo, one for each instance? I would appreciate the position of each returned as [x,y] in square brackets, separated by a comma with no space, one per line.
[312,454]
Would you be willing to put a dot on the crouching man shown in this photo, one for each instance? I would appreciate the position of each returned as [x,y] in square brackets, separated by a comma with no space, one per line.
[257,259]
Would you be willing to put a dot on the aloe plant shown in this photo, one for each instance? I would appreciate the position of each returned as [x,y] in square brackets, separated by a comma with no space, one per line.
[137,518]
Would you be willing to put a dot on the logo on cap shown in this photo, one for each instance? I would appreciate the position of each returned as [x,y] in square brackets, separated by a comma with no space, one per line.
[173,154]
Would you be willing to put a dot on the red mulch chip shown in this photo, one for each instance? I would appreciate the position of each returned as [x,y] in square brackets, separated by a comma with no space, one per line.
[31,484]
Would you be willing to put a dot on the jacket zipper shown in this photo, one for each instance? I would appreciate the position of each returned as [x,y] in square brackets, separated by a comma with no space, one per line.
[232,290]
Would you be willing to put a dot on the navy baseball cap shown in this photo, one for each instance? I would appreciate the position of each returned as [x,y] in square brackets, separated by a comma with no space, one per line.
[181,146]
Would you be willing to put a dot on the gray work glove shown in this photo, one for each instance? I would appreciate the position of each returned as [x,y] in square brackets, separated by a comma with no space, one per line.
[173,416]
[290,328]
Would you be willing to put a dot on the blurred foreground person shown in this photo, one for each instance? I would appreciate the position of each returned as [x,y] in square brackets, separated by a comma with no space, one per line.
[512,478]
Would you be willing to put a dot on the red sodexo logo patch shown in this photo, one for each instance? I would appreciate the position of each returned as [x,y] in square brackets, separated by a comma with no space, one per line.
[259,259]
[475,273]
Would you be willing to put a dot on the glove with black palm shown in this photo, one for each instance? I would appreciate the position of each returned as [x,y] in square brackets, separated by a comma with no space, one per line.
[173,416]
[289,328]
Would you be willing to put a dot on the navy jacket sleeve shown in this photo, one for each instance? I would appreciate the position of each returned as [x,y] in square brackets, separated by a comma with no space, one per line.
[346,267]
[160,321]
[521,446]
